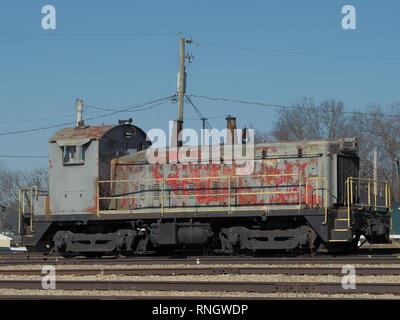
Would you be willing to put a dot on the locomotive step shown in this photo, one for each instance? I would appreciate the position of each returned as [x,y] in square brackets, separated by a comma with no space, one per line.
[341,214]
[340,235]
[340,223]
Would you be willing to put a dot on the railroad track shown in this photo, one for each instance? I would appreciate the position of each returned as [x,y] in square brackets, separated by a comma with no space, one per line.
[211,286]
[308,271]
[199,265]
[207,260]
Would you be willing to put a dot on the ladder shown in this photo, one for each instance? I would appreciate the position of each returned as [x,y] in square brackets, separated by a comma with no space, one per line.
[339,227]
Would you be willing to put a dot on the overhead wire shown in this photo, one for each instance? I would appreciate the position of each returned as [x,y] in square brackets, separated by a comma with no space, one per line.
[300,53]
[287,106]
[54,35]
[209,118]
[202,118]
[43,119]
[125,109]
[22,156]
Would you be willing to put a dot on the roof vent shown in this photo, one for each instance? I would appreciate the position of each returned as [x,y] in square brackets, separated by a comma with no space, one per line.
[129,121]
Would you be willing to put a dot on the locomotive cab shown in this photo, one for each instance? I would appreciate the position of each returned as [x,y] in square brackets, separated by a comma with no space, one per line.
[81,156]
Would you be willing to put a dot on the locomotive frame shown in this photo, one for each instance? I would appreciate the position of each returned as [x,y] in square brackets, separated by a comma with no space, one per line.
[94,206]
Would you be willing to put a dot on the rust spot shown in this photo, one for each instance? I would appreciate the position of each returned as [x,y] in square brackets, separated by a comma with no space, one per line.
[92,132]
[47,206]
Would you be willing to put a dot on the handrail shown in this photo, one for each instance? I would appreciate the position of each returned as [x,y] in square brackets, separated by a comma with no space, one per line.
[227,179]
[20,209]
[325,198]
[370,202]
[351,202]
[203,178]
[33,192]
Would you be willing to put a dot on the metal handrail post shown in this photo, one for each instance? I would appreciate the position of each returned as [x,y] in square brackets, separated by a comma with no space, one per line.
[19,211]
[98,197]
[31,206]
[300,193]
[369,193]
[162,196]
[229,195]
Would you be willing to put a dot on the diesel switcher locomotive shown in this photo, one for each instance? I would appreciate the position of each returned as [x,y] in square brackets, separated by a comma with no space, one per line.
[106,197]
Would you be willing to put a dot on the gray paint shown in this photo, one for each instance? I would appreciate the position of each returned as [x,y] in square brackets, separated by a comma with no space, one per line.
[73,186]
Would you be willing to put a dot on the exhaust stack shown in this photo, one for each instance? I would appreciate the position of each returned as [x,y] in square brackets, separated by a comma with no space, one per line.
[79,111]
[231,132]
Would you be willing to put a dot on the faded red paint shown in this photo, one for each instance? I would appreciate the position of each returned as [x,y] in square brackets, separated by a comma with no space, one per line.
[93,208]
[178,179]
[91,132]
[95,201]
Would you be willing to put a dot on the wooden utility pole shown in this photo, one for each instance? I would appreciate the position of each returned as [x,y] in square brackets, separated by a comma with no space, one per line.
[181,89]
[375,171]
[181,79]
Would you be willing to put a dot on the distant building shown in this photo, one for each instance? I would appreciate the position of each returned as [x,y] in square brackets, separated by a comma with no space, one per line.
[5,242]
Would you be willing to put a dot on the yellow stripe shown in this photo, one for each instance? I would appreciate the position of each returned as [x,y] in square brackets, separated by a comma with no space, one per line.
[190,211]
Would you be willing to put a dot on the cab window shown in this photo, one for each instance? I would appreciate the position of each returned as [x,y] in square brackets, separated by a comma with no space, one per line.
[74,154]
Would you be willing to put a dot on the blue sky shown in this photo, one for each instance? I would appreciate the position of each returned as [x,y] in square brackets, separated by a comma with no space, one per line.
[42,76]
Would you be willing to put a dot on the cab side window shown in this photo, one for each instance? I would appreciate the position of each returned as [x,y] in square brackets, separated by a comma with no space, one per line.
[69,154]
[74,154]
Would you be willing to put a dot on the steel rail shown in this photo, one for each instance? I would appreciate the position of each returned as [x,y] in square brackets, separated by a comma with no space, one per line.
[361,271]
[208,260]
[211,286]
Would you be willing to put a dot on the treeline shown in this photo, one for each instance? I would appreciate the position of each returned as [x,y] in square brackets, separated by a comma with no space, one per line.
[376,128]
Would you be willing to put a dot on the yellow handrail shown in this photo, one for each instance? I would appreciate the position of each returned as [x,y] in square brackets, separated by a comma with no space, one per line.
[33,192]
[351,202]
[325,198]
[203,178]
[228,194]
[350,197]
[20,209]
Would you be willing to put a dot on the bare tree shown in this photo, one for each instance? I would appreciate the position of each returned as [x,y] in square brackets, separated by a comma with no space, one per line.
[386,130]
[306,121]
[328,120]
[259,135]
[10,183]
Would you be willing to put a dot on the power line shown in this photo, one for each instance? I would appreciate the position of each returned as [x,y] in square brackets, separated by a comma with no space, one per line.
[288,107]
[43,119]
[300,53]
[243,101]
[37,129]
[99,109]
[129,108]
[22,156]
[55,35]
[209,118]
[202,118]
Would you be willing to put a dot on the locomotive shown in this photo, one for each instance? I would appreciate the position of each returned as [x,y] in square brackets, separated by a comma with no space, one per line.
[107,196]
